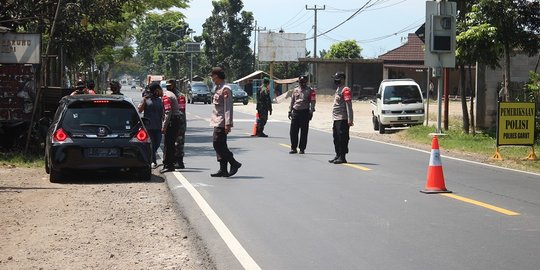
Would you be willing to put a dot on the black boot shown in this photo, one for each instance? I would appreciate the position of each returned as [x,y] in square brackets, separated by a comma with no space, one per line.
[333,159]
[222,170]
[235,165]
[340,159]
[180,163]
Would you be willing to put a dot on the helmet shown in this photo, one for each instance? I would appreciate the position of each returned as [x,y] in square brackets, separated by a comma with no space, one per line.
[80,84]
[339,76]
[302,79]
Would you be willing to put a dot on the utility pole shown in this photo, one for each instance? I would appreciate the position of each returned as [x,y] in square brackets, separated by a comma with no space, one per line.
[314,65]
[315,8]
[257,30]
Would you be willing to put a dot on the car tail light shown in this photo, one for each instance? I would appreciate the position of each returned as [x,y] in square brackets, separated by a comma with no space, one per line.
[142,135]
[60,136]
[101,101]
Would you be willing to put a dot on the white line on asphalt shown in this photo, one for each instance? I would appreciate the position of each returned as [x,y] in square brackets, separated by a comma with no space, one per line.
[234,245]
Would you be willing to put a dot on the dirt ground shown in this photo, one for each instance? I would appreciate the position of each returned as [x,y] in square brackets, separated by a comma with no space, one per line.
[113,223]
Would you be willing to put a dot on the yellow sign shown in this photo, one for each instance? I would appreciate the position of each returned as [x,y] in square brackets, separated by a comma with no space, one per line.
[516,123]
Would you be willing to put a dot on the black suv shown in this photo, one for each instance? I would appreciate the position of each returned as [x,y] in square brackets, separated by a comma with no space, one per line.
[199,92]
[95,133]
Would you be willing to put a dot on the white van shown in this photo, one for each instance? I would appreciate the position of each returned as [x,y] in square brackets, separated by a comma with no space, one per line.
[398,103]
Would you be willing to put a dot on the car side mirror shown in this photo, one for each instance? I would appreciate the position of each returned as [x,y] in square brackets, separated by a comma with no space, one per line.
[378,95]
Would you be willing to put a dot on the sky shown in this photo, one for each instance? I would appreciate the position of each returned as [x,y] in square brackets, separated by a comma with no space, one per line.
[380,28]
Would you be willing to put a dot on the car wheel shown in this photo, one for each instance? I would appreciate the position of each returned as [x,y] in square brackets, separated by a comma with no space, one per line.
[245,102]
[375,123]
[382,128]
[55,176]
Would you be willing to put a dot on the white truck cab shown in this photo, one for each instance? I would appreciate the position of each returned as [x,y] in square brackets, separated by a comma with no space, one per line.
[398,103]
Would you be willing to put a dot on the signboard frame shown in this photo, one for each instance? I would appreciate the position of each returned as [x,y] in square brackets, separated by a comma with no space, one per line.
[20,48]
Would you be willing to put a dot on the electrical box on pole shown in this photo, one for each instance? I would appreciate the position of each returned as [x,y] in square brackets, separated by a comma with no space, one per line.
[440,34]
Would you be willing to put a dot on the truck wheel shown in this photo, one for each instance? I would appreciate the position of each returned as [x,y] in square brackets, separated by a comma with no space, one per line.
[381,128]
[375,123]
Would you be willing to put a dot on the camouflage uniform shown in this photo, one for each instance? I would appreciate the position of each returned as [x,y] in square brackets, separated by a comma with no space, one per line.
[264,105]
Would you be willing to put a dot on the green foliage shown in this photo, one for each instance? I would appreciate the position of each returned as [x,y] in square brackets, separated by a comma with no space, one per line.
[344,50]
[17,159]
[482,145]
[477,43]
[226,36]
[161,42]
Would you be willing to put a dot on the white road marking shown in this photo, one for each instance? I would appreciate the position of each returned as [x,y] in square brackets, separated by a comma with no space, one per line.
[234,245]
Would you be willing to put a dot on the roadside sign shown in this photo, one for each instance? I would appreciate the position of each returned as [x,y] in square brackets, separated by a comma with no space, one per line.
[516,123]
[20,48]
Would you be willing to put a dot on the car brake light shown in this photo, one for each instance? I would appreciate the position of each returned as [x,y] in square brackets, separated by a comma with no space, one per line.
[60,135]
[101,101]
[142,135]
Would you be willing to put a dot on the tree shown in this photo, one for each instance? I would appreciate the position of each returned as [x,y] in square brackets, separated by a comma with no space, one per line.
[226,36]
[516,27]
[344,50]
[161,42]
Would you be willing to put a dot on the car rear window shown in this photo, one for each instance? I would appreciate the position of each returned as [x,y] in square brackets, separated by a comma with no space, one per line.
[401,94]
[200,87]
[115,116]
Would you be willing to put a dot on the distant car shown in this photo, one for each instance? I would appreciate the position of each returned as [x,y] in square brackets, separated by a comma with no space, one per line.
[199,92]
[95,133]
[239,95]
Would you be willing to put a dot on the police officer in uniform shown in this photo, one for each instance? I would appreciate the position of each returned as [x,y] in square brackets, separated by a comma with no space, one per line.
[342,114]
[222,121]
[170,126]
[264,107]
[300,113]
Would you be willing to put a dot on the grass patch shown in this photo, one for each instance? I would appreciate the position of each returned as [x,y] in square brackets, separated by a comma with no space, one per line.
[481,144]
[19,160]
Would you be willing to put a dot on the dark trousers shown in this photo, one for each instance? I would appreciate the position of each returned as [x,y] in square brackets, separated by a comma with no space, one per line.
[170,137]
[219,141]
[155,137]
[180,140]
[261,122]
[299,122]
[340,131]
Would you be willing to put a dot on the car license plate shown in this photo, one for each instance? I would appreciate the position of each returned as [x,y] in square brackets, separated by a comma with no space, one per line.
[102,152]
[403,118]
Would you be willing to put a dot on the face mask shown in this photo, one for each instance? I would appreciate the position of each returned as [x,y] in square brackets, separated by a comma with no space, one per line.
[337,82]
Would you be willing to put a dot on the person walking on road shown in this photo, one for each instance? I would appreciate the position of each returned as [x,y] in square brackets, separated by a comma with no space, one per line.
[170,126]
[300,113]
[152,107]
[264,107]
[342,114]
[180,139]
[222,121]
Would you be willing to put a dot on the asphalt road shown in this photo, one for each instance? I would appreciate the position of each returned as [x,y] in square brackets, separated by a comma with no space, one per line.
[285,211]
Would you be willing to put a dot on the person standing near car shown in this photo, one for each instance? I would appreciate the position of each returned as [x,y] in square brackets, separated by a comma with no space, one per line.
[170,126]
[301,111]
[115,88]
[180,139]
[342,114]
[80,88]
[264,107]
[222,121]
[152,106]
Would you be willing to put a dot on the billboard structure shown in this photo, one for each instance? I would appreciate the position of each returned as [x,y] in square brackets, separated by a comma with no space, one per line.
[20,48]
[281,47]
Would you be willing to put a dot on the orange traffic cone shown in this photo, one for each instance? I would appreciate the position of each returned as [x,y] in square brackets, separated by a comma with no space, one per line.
[254,133]
[435,177]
